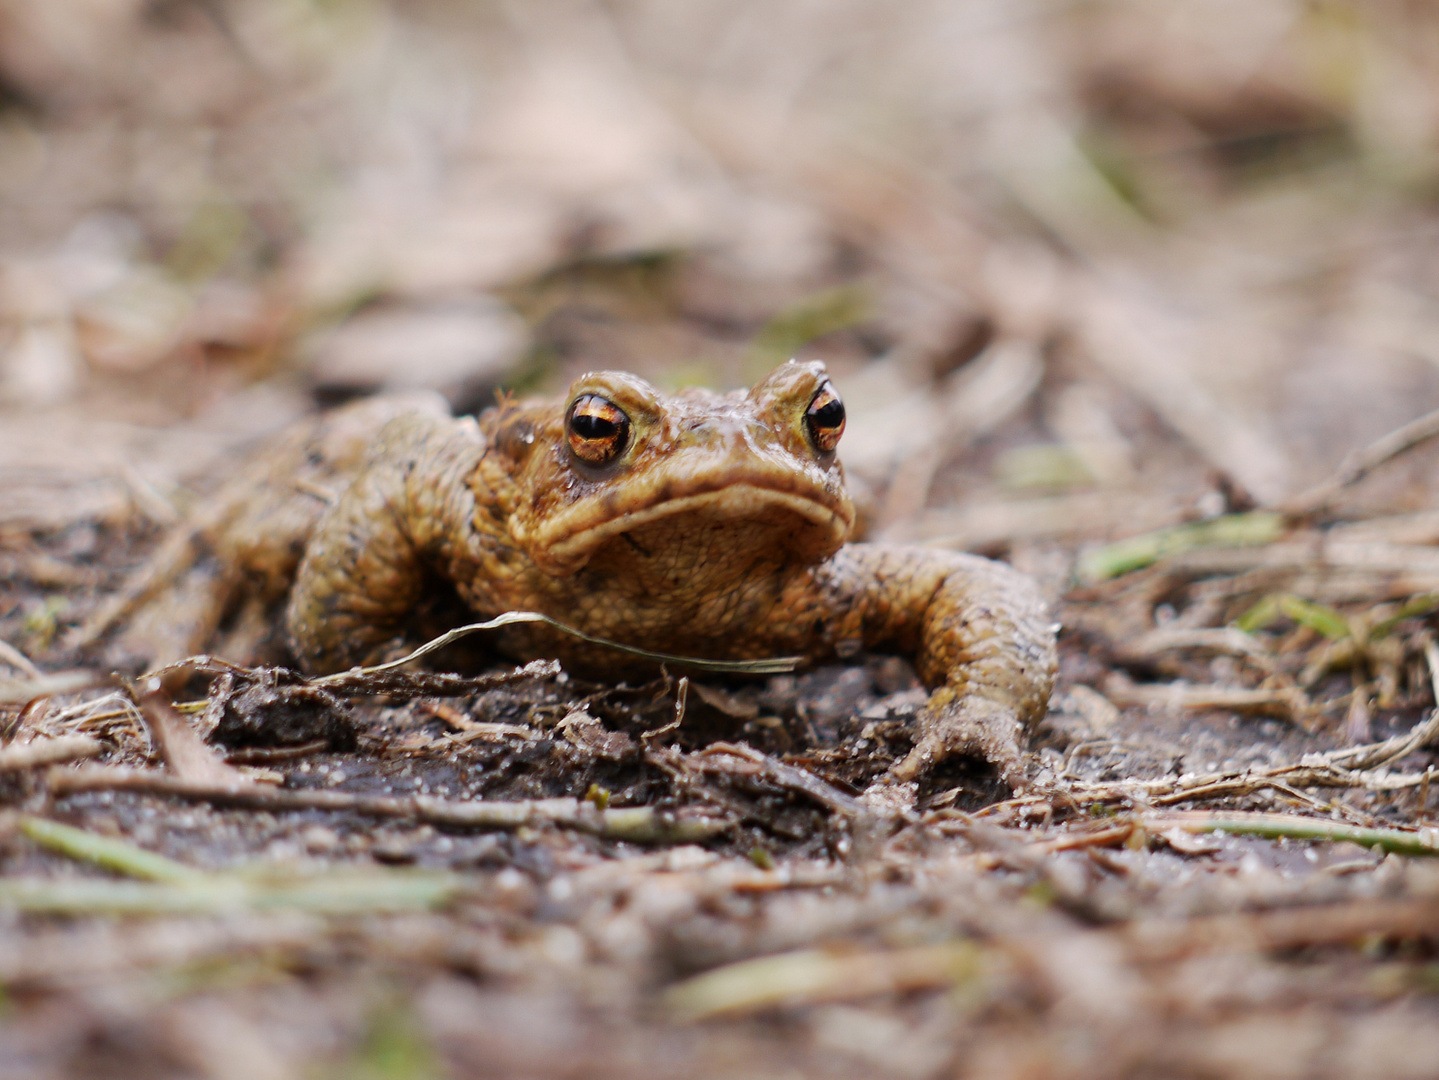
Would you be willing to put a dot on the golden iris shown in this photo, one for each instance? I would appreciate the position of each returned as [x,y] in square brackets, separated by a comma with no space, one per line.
[598,429]
[825,419]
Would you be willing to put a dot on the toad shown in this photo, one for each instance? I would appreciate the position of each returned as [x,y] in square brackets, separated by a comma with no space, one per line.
[697,524]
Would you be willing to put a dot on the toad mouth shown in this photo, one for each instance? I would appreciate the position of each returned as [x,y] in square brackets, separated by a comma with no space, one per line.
[574,537]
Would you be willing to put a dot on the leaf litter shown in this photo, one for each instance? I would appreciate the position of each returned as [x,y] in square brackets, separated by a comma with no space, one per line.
[1147,308]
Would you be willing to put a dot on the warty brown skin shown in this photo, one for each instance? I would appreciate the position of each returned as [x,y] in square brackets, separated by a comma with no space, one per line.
[717,531]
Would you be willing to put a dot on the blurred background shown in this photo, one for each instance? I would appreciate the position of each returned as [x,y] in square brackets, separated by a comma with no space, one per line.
[1080,268]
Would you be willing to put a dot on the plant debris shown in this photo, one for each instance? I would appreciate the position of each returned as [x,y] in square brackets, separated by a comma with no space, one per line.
[1140,298]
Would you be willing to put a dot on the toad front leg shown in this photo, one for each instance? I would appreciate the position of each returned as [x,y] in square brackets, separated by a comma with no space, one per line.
[408,514]
[981,637]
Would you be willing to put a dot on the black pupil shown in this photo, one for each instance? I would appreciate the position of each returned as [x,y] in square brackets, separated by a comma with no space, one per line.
[589,426]
[828,415]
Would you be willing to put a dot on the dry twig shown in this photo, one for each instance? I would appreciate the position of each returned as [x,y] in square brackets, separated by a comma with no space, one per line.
[811,976]
[1164,940]
[1360,463]
[641,824]
[739,760]
[18,660]
[19,691]
[53,751]
[186,754]
[1295,827]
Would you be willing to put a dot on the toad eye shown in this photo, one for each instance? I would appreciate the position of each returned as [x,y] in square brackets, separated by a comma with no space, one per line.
[825,419]
[598,429]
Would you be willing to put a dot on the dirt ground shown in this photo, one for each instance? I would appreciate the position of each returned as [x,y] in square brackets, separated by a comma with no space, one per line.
[1143,299]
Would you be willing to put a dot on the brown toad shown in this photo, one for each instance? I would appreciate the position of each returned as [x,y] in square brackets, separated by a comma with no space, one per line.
[700,524]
